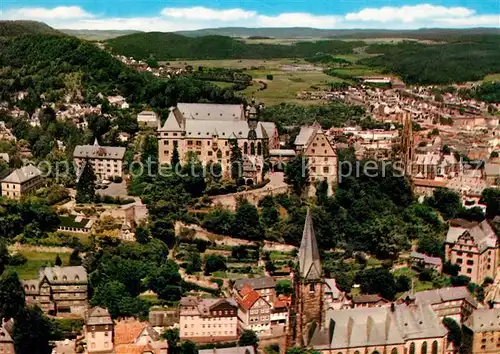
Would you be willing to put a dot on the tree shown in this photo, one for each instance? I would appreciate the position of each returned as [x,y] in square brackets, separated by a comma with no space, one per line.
[446,201]
[322,192]
[431,245]
[74,258]
[248,338]
[32,332]
[491,197]
[378,281]
[454,331]
[11,295]
[284,287]
[451,269]
[214,262]
[247,222]
[297,174]
[4,256]
[58,261]
[114,296]
[163,230]
[270,267]
[166,281]
[142,235]
[85,186]
[236,159]
[194,180]
[194,262]
[175,160]
[188,347]
[403,283]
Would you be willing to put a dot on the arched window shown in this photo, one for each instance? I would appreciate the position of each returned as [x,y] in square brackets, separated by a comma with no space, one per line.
[245,148]
[424,348]
[311,288]
[394,351]
[77,277]
[252,149]
[356,352]
[435,347]
[412,348]
[259,148]
[65,278]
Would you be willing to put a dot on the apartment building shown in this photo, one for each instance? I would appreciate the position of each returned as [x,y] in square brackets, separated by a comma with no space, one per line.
[265,286]
[106,161]
[481,332]
[207,130]
[397,330]
[456,302]
[148,119]
[58,290]
[474,249]
[6,342]
[21,182]
[208,320]
[98,331]
[321,155]
[254,312]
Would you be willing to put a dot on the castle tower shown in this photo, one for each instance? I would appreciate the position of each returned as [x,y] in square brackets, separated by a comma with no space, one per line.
[308,286]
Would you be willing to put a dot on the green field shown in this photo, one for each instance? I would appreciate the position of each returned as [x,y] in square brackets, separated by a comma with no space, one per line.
[286,84]
[492,77]
[30,269]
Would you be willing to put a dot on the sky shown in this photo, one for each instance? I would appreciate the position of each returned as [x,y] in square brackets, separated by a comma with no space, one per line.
[176,15]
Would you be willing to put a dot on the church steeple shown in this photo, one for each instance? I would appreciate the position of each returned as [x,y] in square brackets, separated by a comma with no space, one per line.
[309,261]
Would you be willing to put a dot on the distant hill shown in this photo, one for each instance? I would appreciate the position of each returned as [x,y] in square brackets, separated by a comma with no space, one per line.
[97,35]
[167,46]
[306,32]
[20,28]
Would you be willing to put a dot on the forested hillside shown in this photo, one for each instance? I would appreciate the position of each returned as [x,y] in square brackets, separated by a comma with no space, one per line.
[467,59]
[20,28]
[58,65]
[167,46]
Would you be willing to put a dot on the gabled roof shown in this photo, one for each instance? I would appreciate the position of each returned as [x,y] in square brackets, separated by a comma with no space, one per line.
[484,320]
[126,331]
[309,260]
[368,298]
[174,122]
[483,234]
[100,152]
[249,300]
[431,297]
[23,174]
[98,316]
[209,111]
[256,283]
[63,275]
[233,350]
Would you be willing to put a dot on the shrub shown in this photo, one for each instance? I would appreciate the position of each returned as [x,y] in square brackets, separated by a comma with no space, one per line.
[270,77]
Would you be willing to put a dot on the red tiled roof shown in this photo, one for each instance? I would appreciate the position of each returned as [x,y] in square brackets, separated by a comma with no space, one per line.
[245,290]
[250,299]
[134,349]
[126,331]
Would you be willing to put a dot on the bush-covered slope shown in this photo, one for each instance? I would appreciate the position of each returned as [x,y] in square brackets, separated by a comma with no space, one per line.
[20,28]
[467,59]
[60,65]
[166,46]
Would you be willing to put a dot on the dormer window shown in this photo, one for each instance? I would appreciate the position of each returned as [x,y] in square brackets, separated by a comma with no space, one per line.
[55,277]
[65,278]
[77,277]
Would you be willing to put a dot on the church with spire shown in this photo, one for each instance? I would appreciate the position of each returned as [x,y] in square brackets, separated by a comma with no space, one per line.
[309,287]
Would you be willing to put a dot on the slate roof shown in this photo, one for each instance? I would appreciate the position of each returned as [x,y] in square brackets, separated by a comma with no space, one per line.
[331,288]
[377,326]
[255,283]
[492,169]
[367,298]
[484,320]
[233,350]
[63,275]
[426,259]
[483,234]
[304,135]
[204,305]
[309,260]
[209,111]
[23,174]
[97,316]
[431,297]
[100,152]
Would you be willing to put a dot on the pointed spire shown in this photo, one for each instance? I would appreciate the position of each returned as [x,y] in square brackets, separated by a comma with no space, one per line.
[309,261]
[96,143]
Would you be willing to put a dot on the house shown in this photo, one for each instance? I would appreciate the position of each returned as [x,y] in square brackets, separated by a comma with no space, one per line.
[369,300]
[424,261]
[492,173]
[208,320]
[132,336]
[148,119]
[265,286]
[6,342]
[21,182]
[58,290]
[481,332]
[164,318]
[75,223]
[230,350]
[209,130]
[98,331]
[396,330]
[474,249]
[254,312]
[454,302]
[321,155]
[430,165]
[106,161]
[333,298]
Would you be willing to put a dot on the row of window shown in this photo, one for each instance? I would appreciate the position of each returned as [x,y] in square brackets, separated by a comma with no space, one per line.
[220,333]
